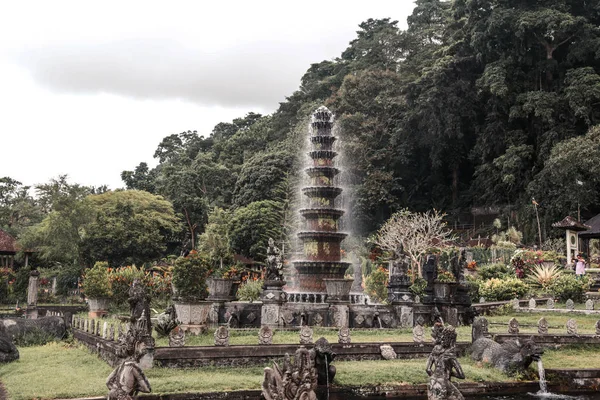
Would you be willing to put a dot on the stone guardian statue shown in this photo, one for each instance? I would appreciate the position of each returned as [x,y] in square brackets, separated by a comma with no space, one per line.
[442,365]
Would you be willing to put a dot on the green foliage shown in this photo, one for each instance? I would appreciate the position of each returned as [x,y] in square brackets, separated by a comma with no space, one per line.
[376,285]
[67,278]
[250,290]
[251,227]
[34,337]
[190,274]
[496,289]
[96,282]
[490,271]
[474,284]
[215,239]
[543,275]
[130,227]
[568,286]
[418,286]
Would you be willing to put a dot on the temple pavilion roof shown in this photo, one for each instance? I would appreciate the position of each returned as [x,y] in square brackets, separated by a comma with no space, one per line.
[571,223]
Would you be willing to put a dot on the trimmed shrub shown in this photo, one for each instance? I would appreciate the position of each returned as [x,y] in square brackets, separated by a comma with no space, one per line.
[490,271]
[376,285]
[250,290]
[190,274]
[568,286]
[496,289]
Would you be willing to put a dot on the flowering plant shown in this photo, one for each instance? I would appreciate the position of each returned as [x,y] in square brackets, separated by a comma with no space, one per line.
[472,265]
[444,276]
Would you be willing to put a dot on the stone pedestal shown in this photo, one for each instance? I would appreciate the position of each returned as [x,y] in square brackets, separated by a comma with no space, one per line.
[32,294]
[272,298]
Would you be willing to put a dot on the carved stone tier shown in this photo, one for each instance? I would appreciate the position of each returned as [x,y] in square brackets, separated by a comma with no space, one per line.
[313,273]
[322,142]
[322,191]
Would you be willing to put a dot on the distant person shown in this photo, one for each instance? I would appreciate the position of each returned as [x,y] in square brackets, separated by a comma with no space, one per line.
[580,266]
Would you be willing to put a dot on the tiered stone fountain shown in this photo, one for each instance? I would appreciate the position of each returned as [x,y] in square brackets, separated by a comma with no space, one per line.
[321,265]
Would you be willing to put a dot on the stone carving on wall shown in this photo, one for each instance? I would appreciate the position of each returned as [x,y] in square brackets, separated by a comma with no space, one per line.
[442,365]
[222,336]
[176,337]
[251,317]
[550,304]
[513,326]
[295,380]
[532,303]
[543,326]
[317,320]
[270,314]
[111,332]
[387,352]
[516,304]
[265,335]
[344,336]
[306,335]
[287,316]
[572,327]
[359,319]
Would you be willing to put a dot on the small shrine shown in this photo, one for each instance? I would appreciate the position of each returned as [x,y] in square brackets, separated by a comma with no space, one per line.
[572,228]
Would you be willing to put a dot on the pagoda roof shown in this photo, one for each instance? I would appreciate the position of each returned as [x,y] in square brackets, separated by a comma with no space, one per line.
[593,228]
[8,244]
[571,223]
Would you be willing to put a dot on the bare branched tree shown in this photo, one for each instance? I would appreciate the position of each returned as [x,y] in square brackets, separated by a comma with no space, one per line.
[415,232]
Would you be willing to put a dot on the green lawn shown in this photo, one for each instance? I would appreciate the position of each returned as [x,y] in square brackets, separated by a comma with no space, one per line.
[62,370]
[59,370]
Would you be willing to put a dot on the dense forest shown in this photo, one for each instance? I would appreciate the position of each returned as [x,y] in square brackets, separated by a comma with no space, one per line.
[478,103]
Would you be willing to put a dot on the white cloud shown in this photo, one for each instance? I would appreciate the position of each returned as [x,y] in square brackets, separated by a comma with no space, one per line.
[90,88]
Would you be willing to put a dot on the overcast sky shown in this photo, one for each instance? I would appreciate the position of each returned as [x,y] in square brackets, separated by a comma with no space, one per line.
[89,89]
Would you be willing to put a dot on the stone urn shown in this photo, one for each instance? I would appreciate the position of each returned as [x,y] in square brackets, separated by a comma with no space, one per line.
[338,290]
[193,315]
[98,307]
[219,289]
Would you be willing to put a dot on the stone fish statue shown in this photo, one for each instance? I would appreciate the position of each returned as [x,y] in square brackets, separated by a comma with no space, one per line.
[442,365]
[292,381]
[274,264]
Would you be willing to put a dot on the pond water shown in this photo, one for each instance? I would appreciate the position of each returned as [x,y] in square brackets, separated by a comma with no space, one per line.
[534,396]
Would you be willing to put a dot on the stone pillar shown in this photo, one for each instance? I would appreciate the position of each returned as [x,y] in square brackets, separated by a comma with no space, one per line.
[272,298]
[32,294]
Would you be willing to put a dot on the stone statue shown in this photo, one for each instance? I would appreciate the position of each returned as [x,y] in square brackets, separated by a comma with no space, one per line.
[166,321]
[479,329]
[306,335]
[32,288]
[572,327]
[513,326]
[177,337]
[128,379]
[543,326]
[442,365]
[8,350]
[399,268]
[357,274]
[265,335]
[387,352]
[344,336]
[222,336]
[570,304]
[324,356]
[292,381]
[511,356]
[430,269]
[233,319]
[139,303]
[418,334]
[274,264]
